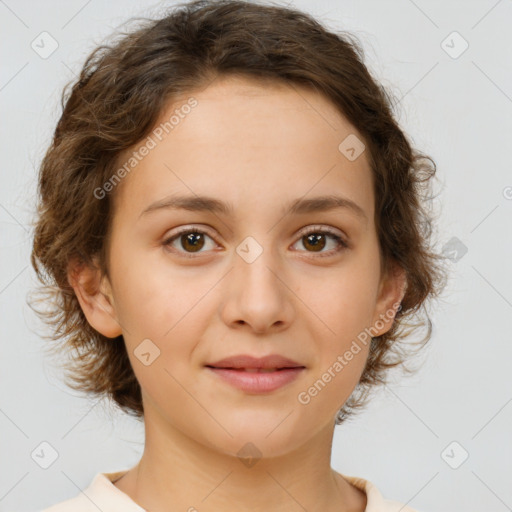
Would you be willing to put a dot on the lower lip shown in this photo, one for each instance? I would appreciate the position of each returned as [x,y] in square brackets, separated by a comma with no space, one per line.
[258,382]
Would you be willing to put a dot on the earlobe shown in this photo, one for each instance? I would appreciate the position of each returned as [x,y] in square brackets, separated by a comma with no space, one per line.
[391,292]
[94,293]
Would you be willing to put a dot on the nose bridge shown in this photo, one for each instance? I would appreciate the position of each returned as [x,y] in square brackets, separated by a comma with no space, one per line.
[257,293]
[257,263]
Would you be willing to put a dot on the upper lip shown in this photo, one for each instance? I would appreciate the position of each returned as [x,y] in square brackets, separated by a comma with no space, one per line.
[247,361]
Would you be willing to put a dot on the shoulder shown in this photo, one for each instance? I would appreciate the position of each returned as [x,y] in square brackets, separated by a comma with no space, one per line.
[101,494]
[375,502]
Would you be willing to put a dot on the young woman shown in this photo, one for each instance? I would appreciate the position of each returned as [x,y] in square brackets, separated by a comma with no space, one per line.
[232,224]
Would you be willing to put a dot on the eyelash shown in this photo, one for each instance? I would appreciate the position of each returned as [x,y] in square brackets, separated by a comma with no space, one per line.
[342,245]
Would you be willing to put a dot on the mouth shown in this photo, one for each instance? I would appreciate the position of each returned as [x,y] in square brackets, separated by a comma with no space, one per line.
[256,375]
[272,362]
[255,370]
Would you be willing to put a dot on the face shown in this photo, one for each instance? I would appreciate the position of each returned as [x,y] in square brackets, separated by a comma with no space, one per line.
[247,274]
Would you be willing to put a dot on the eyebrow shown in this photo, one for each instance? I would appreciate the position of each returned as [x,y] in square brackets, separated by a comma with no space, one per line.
[298,206]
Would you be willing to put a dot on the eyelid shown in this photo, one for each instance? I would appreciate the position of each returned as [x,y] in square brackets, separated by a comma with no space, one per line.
[192,228]
[314,228]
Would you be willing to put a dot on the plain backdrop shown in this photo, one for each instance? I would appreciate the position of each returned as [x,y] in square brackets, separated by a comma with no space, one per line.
[440,440]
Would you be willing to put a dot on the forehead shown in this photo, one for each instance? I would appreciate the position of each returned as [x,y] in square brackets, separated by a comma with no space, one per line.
[251,143]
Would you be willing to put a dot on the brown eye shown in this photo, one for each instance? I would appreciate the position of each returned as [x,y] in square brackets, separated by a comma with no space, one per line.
[188,241]
[192,241]
[315,240]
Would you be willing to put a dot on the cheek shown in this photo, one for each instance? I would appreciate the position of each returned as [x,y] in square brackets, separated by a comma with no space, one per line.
[345,302]
[345,305]
[149,301]
[166,309]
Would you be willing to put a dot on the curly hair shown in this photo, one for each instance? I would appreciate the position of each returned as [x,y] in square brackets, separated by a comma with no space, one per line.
[116,101]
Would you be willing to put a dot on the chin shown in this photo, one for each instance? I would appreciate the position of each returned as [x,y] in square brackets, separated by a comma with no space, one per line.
[267,434]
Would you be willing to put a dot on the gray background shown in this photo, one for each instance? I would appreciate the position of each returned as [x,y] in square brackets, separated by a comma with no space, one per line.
[459,110]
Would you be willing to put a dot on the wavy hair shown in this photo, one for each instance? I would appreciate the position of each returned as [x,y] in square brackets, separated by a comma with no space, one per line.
[116,101]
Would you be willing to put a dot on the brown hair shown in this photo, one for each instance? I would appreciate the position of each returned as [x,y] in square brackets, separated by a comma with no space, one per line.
[116,102]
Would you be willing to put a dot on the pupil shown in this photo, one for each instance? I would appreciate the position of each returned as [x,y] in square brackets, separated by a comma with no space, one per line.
[313,239]
[192,238]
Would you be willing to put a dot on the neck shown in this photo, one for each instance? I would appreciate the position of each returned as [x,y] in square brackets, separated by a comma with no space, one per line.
[176,473]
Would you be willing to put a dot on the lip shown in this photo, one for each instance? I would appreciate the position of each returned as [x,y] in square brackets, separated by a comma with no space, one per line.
[256,375]
[243,361]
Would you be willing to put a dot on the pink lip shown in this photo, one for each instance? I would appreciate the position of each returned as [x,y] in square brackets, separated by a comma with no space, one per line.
[258,382]
[246,361]
[234,371]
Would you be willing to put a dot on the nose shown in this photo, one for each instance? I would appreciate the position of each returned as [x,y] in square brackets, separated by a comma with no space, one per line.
[258,295]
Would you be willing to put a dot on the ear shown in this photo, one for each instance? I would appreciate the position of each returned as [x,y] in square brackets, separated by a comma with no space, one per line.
[94,293]
[391,292]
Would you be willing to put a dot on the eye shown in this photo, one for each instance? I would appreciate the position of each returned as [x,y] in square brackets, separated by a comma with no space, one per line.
[190,239]
[316,237]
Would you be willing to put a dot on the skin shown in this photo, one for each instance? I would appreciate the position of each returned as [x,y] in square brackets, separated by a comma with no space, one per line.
[257,146]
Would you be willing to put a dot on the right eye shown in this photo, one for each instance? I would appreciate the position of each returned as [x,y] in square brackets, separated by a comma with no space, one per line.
[190,239]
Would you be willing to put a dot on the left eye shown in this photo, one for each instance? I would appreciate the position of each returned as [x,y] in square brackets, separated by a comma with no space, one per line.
[317,240]
[193,240]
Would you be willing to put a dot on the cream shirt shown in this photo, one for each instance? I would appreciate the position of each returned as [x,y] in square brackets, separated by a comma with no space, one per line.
[102,494]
